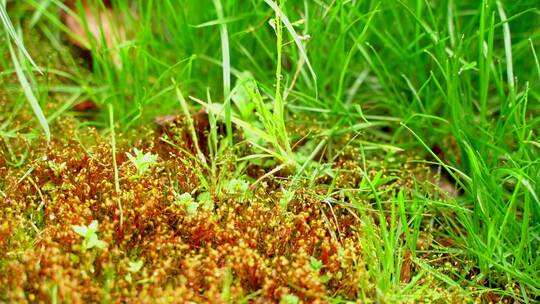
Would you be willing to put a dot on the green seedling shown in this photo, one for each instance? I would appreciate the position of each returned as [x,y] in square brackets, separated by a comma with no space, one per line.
[57,168]
[133,267]
[289,299]
[186,200]
[191,205]
[287,197]
[89,233]
[142,162]
[237,186]
[316,264]
[205,200]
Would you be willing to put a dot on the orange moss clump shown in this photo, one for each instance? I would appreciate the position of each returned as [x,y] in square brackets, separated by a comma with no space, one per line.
[185,256]
[243,247]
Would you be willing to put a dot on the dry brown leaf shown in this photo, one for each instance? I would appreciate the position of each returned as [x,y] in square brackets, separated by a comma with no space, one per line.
[446,242]
[104,28]
[86,105]
[406,268]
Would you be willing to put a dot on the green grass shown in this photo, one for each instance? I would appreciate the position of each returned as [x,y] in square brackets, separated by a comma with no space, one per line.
[421,76]
[18,63]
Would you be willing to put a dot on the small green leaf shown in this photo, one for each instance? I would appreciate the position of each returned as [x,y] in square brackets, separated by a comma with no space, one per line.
[315,264]
[93,226]
[57,168]
[236,186]
[135,266]
[142,162]
[205,200]
[192,207]
[186,200]
[89,233]
[325,278]
[80,230]
[289,299]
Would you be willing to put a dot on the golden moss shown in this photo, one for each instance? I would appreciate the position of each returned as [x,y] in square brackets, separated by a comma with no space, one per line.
[314,250]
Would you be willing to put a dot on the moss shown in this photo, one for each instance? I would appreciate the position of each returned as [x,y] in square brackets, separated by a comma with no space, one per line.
[187,255]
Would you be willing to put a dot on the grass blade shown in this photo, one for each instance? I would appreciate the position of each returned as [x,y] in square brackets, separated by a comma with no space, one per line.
[508,53]
[226,67]
[27,89]
[13,34]
[191,126]
[295,36]
[116,177]
[535,56]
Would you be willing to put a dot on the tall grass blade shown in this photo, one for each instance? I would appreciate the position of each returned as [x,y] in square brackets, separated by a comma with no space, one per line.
[226,66]
[27,89]
[295,36]
[535,57]
[191,126]
[13,34]
[508,53]
[115,165]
